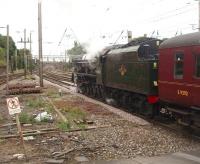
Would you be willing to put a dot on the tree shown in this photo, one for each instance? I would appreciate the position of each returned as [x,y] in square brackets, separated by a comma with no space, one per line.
[2,57]
[3,46]
[20,57]
[77,49]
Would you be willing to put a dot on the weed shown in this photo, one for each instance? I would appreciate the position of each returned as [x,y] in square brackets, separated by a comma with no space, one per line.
[45,120]
[53,94]
[25,118]
[1,140]
[74,113]
[48,108]
[36,103]
[64,126]
[30,77]
[81,126]
[1,119]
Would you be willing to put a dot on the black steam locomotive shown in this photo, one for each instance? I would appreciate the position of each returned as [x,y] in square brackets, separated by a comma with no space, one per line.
[147,76]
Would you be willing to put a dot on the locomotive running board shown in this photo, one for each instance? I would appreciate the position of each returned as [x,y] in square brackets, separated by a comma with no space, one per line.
[178,111]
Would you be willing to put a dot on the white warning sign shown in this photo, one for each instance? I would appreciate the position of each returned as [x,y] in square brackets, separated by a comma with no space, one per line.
[13,105]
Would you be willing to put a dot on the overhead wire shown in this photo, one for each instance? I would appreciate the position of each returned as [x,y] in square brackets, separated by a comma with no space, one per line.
[162,16]
[62,37]
[172,15]
[169,14]
[119,37]
[175,10]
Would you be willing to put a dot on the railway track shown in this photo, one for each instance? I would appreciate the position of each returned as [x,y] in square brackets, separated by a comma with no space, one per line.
[64,80]
[11,77]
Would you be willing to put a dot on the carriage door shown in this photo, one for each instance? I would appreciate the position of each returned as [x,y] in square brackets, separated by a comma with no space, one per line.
[181,90]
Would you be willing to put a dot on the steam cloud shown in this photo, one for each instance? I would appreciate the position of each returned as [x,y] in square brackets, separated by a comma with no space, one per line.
[94,49]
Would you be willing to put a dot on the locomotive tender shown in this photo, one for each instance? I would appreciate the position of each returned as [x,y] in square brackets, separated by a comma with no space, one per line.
[147,77]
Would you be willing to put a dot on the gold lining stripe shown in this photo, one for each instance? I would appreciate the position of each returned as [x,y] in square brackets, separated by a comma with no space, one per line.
[178,83]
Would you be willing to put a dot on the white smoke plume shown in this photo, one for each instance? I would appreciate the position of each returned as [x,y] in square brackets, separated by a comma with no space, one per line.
[94,48]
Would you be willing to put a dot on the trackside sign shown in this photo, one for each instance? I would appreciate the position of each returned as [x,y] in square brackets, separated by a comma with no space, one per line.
[13,105]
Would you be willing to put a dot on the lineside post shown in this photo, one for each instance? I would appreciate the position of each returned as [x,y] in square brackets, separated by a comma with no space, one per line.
[7,60]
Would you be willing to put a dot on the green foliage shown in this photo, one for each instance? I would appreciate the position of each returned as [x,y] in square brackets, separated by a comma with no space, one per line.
[81,126]
[2,57]
[20,57]
[74,113]
[12,46]
[2,63]
[48,108]
[76,50]
[64,126]
[53,93]
[1,119]
[25,118]
[12,49]
[30,77]
[2,140]
[36,103]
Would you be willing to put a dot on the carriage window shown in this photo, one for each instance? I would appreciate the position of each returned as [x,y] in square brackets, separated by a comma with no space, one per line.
[197,66]
[179,65]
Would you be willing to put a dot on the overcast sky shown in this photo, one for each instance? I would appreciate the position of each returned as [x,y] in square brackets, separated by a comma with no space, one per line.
[90,21]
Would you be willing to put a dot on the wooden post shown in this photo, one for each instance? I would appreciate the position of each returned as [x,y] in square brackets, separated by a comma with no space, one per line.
[20,134]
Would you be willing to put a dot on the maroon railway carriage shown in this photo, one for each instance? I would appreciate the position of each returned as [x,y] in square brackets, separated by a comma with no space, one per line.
[179,77]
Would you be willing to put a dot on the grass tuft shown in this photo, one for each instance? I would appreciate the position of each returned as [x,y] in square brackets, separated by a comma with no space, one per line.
[74,113]
[81,126]
[36,103]
[53,94]
[25,118]
[1,119]
[64,126]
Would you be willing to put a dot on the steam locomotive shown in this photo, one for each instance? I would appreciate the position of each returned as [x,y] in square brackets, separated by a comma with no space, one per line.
[149,76]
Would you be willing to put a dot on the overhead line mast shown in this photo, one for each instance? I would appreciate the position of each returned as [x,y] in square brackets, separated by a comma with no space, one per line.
[40,42]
